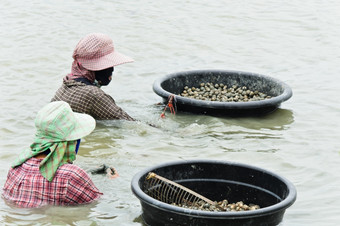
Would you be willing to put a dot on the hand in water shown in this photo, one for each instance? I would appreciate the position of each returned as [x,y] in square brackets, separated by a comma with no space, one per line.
[104,169]
[111,173]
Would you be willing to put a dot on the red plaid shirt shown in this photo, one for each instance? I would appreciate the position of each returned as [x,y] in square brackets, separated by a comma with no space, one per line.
[26,187]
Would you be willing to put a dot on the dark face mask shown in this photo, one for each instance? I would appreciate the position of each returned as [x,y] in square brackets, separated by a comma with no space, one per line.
[77,146]
[103,76]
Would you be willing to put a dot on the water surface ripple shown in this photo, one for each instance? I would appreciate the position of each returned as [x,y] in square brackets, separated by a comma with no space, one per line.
[294,41]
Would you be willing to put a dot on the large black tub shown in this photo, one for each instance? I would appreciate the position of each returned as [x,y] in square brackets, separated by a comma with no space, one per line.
[217,180]
[173,84]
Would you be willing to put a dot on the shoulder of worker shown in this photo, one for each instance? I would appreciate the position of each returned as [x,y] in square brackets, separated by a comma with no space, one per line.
[71,171]
[72,84]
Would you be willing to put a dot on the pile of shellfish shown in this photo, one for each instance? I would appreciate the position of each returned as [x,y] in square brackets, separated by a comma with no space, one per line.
[218,206]
[223,93]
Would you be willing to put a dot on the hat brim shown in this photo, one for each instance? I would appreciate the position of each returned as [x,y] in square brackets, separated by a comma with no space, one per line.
[84,126]
[110,60]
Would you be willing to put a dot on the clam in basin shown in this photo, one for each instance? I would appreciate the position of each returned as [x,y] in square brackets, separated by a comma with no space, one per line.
[174,84]
[216,180]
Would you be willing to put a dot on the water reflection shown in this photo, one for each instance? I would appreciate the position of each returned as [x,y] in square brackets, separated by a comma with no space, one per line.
[139,219]
[187,131]
[277,120]
[36,50]
[269,150]
[53,215]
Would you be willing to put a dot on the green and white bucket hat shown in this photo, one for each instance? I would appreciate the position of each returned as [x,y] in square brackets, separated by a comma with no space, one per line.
[57,121]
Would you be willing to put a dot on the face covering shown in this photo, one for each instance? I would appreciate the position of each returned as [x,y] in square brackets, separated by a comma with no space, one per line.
[103,76]
[77,146]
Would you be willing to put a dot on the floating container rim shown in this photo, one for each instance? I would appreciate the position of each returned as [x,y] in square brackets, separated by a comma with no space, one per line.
[142,196]
[277,100]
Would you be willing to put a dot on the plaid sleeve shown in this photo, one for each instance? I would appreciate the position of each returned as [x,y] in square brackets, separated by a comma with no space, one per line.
[81,189]
[104,107]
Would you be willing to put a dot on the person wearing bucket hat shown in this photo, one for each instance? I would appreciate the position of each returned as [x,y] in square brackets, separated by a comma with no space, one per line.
[95,57]
[44,173]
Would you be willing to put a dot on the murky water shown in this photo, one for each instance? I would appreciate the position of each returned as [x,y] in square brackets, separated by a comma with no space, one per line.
[294,41]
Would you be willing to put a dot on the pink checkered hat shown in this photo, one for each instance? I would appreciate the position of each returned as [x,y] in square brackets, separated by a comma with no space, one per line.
[96,52]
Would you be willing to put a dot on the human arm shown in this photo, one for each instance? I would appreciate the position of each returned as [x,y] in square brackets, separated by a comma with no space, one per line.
[104,107]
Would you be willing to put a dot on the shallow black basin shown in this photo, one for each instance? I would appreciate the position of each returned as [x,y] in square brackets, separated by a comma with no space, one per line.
[173,84]
[217,180]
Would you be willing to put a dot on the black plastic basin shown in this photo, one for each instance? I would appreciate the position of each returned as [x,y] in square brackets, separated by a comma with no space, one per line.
[173,84]
[217,180]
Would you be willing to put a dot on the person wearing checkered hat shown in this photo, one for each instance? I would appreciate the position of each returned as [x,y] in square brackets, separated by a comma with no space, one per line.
[44,174]
[95,57]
